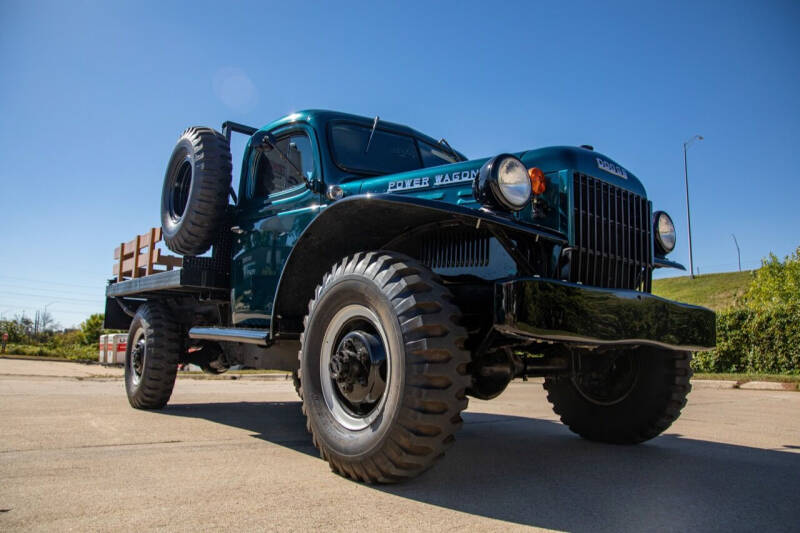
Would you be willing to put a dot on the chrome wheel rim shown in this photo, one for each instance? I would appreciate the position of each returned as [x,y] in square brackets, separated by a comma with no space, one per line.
[355,367]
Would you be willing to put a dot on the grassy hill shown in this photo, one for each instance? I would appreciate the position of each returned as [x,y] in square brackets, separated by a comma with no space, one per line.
[715,291]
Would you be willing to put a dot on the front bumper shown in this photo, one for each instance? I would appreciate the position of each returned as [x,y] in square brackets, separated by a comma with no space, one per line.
[551,310]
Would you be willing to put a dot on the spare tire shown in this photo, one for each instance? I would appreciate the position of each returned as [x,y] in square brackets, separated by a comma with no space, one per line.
[195,193]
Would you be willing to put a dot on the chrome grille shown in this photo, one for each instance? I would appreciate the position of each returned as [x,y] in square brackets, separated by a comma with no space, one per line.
[612,236]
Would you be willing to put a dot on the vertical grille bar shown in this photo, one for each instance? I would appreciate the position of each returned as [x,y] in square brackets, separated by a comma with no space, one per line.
[637,259]
[578,257]
[603,193]
[593,221]
[617,240]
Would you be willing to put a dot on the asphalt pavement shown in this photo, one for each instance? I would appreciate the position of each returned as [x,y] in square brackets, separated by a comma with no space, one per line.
[235,455]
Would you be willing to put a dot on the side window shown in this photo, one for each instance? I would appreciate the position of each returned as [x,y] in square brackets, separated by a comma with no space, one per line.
[271,172]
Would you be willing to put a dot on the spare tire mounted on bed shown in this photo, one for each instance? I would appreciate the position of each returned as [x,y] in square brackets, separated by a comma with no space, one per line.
[195,193]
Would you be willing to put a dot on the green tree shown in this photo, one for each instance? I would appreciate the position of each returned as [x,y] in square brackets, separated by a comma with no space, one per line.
[19,329]
[775,284]
[91,328]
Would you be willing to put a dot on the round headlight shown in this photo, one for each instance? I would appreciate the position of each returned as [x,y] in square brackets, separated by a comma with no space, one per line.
[664,231]
[503,182]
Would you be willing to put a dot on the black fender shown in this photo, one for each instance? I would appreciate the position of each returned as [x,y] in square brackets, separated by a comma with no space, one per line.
[370,222]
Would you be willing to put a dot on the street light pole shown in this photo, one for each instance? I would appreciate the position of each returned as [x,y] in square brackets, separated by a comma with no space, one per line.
[688,211]
[738,253]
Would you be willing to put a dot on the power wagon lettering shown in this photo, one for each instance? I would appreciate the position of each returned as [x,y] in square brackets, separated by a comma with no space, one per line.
[438,180]
[455,177]
[409,184]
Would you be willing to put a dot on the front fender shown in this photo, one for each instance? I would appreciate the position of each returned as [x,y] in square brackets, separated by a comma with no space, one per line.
[365,223]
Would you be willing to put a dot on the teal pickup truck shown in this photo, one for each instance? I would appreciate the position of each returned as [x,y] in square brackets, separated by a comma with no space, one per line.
[395,277]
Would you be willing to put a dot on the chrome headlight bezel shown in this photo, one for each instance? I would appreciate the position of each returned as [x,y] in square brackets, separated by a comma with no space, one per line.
[503,182]
[664,232]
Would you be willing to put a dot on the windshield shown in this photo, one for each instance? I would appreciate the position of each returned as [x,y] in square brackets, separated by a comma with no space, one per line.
[388,153]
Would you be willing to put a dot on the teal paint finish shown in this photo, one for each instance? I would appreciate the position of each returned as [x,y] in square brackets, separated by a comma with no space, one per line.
[269,228]
[556,158]
[269,233]
[450,184]
[272,225]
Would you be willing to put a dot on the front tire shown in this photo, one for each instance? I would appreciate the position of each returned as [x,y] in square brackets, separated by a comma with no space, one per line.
[382,368]
[152,355]
[622,397]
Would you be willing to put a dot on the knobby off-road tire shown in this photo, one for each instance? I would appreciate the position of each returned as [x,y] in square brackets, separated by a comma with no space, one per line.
[151,358]
[195,193]
[642,410]
[425,375]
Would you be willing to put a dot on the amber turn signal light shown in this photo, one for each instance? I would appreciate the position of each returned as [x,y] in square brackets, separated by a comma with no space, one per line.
[538,183]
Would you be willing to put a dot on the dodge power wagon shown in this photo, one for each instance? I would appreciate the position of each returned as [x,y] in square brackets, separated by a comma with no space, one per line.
[395,278]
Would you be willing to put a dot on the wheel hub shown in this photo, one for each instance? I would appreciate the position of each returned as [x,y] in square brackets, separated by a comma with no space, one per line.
[137,359]
[607,379]
[179,196]
[355,367]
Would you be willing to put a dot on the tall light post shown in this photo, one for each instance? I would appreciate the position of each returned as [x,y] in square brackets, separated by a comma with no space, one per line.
[688,211]
[738,253]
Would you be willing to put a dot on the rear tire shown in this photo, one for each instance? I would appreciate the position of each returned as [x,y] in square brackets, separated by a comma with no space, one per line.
[195,193]
[630,401]
[416,385]
[151,358]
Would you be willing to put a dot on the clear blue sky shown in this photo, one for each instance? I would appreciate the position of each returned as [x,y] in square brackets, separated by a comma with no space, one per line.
[94,95]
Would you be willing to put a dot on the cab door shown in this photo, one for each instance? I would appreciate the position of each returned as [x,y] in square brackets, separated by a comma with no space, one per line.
[274,209]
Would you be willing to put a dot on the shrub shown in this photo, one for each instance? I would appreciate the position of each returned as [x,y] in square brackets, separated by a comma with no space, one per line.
[732,340]
[91,328]
[760,340]
[77,352]
[774,337]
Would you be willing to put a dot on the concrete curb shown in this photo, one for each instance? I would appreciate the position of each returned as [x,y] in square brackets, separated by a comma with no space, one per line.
[747,385]
[768,385]
[714,384]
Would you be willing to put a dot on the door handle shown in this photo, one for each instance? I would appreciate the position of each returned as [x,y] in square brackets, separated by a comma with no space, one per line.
[237,230]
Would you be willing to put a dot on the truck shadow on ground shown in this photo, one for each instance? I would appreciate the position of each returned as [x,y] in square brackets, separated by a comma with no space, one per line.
[535,472]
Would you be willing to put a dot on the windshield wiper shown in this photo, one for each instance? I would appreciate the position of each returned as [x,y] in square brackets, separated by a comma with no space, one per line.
[374,125]
[446,144]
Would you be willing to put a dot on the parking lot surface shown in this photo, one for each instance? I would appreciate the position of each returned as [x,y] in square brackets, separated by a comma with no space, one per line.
[235,455]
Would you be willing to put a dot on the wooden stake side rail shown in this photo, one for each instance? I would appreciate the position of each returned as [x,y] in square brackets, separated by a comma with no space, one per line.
[139,257]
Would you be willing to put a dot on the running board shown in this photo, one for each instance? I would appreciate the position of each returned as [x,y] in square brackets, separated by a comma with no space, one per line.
[244,335]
